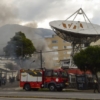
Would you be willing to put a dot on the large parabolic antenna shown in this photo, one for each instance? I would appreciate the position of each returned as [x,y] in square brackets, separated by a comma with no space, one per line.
[78,33]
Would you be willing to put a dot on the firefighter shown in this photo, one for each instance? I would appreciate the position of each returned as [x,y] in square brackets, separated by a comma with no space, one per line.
[96,86]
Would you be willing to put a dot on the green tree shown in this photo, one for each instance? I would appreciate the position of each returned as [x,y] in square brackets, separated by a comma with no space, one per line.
[88,59]
[19,46]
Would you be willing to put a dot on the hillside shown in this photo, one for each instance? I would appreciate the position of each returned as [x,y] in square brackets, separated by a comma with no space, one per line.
[9,30]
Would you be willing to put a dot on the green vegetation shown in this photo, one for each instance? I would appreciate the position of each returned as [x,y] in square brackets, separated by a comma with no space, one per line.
[19,46]
[88,59]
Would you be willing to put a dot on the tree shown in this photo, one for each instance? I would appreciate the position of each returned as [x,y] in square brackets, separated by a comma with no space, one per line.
[88,59]
[19,46]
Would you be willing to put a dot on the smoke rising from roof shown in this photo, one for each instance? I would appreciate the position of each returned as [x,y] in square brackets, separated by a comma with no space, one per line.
[35,61]
[41,44]
[34,34]
[8,16]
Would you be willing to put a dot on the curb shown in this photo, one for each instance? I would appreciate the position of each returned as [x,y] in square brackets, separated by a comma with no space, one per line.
[45,97]
[15,89]
[20,89]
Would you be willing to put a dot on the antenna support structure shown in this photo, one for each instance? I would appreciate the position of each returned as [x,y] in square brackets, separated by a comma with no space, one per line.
[79,33]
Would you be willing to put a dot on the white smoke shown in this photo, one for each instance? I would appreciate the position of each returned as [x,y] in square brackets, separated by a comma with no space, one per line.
[8,16]
[41,45]
[30,24]
[47,57]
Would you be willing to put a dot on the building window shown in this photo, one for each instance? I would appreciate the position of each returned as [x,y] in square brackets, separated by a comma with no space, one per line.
[55,53]
[64,52]
[69,47]
[66,62]
[69,52]
[54,41]
[48,73]
[64,57]
[55,58]
[55,73]
[55,47]
[64,47]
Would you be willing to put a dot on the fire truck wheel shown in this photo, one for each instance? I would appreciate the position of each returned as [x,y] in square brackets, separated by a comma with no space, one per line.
[52,87]
[27,87]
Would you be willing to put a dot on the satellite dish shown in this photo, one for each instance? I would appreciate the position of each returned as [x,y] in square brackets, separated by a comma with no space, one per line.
[78,33]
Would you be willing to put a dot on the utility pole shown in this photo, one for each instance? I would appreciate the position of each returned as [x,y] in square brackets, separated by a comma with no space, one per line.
[22,53]
[41,58]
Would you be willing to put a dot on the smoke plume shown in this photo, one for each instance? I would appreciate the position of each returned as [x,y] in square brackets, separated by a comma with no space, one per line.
[47,57]
[8,15]
[31,24]
[39,42]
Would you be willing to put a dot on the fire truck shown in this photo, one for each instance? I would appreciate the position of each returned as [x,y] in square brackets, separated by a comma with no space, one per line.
[53,79]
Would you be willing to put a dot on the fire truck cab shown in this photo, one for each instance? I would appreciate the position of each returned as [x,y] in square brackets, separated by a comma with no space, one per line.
[53,79]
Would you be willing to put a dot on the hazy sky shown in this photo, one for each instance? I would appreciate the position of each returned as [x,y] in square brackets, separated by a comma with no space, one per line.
[38,13]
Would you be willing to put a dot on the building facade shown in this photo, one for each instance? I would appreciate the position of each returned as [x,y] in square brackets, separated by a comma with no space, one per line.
[61,49]
[5,72]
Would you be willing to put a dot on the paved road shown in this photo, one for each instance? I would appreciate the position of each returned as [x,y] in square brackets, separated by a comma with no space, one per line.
[50,95]
[26,99]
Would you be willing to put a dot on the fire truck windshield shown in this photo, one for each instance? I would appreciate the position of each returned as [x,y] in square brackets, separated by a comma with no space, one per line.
[64,74]
[61,73]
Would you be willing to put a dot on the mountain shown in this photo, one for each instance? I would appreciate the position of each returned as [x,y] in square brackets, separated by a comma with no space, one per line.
[9,30]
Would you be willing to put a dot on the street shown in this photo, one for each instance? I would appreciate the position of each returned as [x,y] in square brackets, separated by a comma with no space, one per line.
[49,95]
[26,99]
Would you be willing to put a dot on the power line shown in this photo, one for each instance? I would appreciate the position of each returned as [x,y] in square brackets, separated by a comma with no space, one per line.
[53,51]
[37,52]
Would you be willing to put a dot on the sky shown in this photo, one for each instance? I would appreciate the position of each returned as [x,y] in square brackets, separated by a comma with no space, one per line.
[38,13]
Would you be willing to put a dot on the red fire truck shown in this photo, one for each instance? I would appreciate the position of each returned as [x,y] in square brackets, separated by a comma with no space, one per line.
[53,79]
